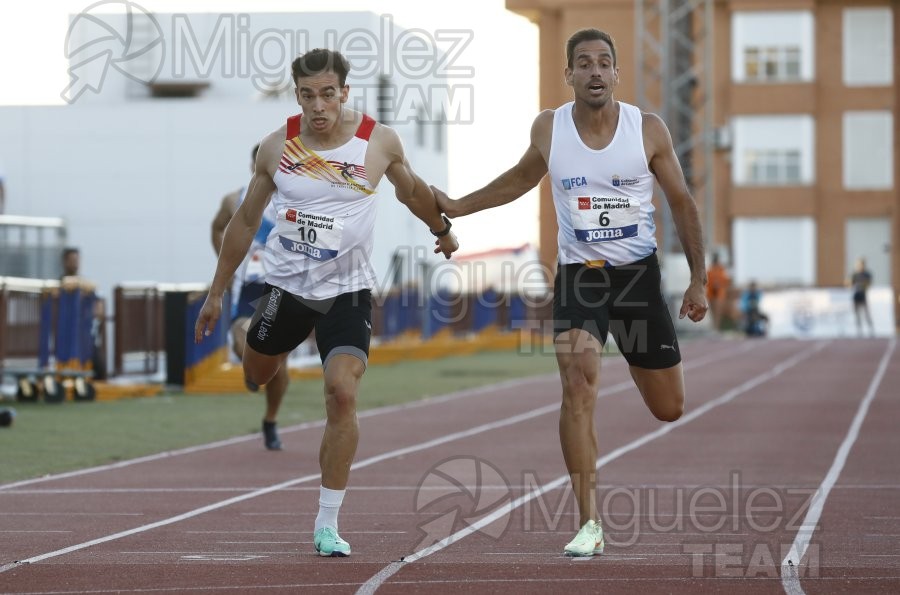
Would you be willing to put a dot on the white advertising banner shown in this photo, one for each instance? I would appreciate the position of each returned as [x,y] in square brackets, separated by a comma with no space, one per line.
[826,313]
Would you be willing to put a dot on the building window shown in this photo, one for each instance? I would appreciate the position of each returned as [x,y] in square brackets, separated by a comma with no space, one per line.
[868,47]
[868,150]
[772,63]
[774,250]
[773,167]
[773,150]
[772,46]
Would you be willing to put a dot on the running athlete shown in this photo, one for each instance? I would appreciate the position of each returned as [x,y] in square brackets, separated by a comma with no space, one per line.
[602,156]
[248,286]
[318,258]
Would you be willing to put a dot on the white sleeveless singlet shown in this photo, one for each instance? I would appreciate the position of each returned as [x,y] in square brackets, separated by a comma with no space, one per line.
[603,198]
[321,246]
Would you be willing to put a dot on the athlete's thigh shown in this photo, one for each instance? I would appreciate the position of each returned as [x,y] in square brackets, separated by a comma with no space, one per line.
[640,320]
[281,322]
[662,390]
[346,328]
[580,302]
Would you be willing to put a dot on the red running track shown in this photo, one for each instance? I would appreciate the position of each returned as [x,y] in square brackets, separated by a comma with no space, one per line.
[786,447]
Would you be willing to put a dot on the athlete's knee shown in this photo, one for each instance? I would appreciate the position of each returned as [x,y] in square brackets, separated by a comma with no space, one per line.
[340,397]
[579,394]
[256,376]
[577,385]
[257,373]
[670,411]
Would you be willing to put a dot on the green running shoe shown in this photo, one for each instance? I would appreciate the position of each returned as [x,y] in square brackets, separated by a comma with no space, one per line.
[329,544]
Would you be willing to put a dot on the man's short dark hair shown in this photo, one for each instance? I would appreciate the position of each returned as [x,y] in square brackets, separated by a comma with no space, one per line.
[321,60]
[67,251]
[588,35]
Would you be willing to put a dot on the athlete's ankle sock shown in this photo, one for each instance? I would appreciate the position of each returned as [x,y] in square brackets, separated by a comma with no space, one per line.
[329,505]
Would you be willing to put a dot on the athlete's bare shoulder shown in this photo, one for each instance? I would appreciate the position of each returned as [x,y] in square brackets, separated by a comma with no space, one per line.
[385,149]
[271,148]
[385,140]
[652,122]
[542,131]
[655,133]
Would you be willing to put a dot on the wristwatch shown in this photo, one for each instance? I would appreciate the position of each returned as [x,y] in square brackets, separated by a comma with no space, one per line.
[445,231]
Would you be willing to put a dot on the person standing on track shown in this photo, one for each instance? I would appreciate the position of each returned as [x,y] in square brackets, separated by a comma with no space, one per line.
[860,280]
[323,167]
[248,287]
[602,156]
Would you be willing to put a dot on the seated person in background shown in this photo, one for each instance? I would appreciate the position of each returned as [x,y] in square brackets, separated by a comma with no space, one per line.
[754,319]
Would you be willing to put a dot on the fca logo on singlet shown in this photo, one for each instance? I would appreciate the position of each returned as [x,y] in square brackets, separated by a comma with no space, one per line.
[569,183]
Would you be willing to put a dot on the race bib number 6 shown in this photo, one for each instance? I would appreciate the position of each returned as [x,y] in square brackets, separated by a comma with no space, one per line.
[603,218]
[312,235]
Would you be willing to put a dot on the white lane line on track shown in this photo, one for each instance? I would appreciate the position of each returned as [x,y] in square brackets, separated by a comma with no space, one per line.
[470,392]
[385,573]
[410,488]
[55,491]
[696,582]
[71,514]
[790,578]
[23,531]
[358,465]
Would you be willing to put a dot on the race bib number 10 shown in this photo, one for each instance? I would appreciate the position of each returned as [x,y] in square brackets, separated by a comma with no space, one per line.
[604,219]
[312,235]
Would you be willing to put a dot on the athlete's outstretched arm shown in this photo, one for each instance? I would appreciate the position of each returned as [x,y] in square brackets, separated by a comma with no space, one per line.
[512,183]
[239,233]
[413,192]
[664,165]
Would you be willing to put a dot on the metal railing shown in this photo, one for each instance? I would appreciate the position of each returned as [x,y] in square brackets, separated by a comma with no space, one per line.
[139,329]
[20,319]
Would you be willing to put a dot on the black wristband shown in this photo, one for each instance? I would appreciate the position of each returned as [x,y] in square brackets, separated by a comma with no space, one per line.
[445,231]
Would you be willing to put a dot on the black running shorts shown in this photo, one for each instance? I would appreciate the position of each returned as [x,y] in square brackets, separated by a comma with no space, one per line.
[283,320]
[625,301]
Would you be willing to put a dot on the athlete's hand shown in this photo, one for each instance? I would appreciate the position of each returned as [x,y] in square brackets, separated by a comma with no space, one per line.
[444,202]
[694,305]
[208,317]
[447,245]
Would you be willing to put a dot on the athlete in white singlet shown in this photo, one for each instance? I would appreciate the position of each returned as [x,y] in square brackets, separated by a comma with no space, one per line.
[248,287]
[323,167]
[602,156]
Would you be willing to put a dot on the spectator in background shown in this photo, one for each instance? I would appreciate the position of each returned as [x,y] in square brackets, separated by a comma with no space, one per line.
[71,263]
[860,280]
[717,285]
[754,319]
